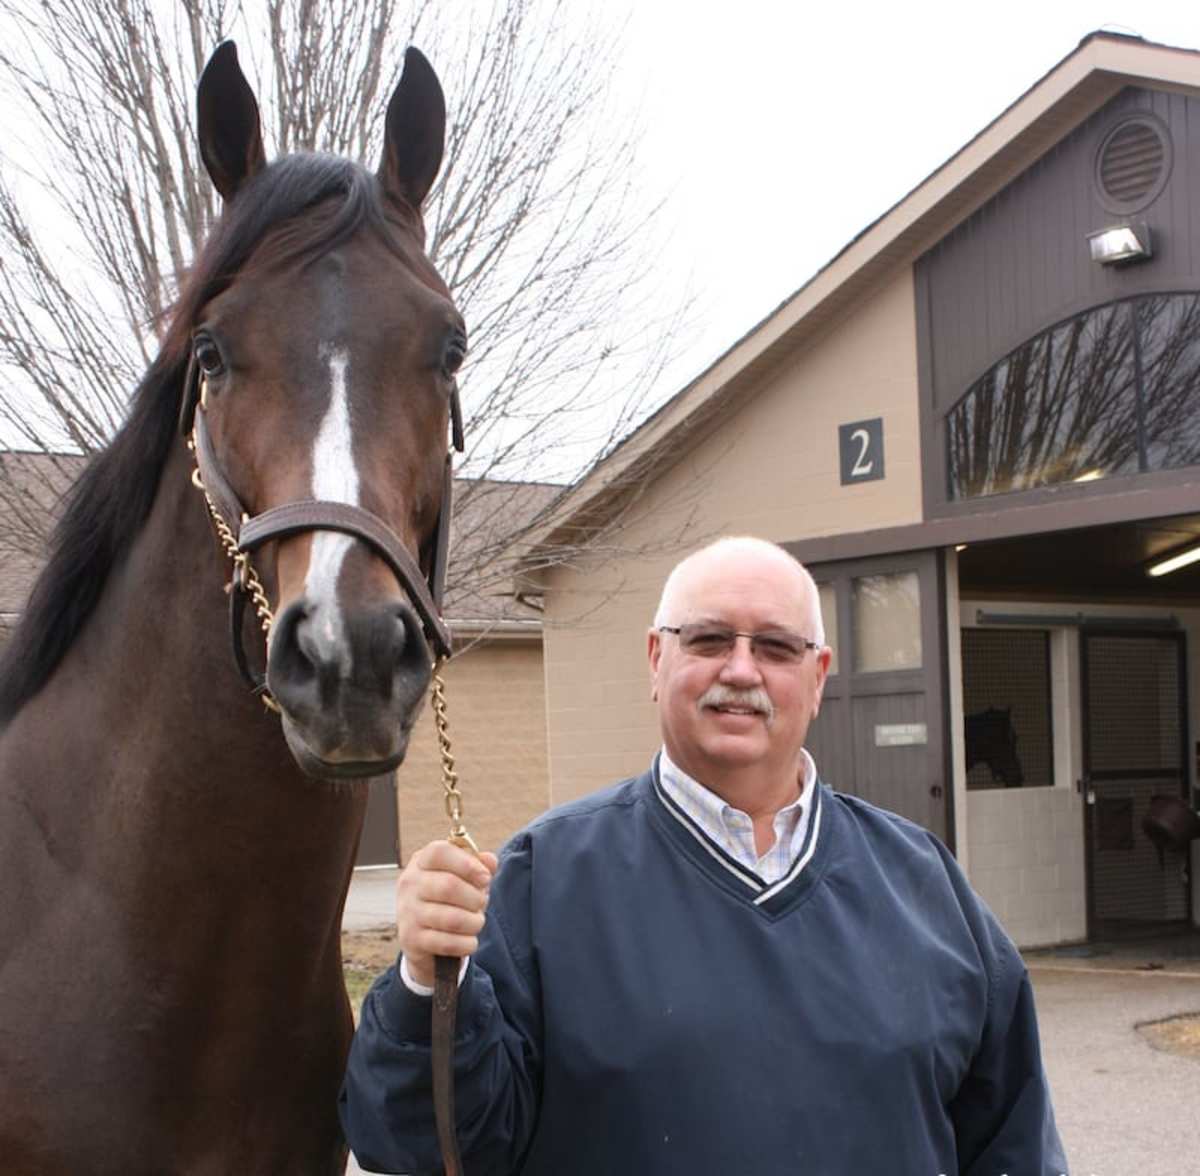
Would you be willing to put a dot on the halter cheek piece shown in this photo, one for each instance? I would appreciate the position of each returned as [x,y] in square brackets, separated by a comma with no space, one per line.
[246,534]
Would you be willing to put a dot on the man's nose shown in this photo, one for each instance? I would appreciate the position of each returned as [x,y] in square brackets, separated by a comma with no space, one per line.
[740,663]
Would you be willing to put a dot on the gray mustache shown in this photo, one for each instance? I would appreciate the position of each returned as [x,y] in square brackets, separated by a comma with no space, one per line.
[755,699]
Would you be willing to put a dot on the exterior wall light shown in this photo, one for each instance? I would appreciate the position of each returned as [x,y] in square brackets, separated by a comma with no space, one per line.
[1180,559]
[1121,243]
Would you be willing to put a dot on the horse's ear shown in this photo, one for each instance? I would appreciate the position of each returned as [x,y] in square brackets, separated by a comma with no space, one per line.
[416,132]
[227,122]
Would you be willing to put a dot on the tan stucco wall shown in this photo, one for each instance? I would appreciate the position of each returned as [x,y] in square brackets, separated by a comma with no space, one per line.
[496,706]
[771,470]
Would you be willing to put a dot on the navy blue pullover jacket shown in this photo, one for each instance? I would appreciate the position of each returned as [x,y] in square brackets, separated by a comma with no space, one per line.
[641,1005]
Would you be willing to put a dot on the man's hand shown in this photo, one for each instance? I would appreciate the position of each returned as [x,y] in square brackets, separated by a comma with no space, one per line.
[440,899]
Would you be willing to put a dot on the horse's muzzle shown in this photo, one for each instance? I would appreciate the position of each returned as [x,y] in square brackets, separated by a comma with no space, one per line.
[349,683]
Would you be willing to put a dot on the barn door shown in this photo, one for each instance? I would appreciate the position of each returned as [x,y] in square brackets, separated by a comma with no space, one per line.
[881,732]
[1134,747]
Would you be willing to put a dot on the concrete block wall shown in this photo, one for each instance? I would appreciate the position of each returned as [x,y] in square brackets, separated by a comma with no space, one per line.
[1025,850]
[496,706]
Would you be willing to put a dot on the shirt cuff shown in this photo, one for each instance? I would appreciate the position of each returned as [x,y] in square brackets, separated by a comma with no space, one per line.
[419,989]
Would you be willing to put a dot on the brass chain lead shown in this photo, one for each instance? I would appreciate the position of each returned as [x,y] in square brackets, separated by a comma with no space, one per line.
[453,799]
[243,570]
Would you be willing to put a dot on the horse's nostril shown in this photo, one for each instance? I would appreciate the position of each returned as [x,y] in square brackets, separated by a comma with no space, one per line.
[331,661]
[307,656]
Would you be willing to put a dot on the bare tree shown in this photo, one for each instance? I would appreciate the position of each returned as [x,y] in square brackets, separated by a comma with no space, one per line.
[537,222]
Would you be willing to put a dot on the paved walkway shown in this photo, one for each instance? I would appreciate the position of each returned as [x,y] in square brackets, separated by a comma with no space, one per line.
[371,902]
[1124,1108]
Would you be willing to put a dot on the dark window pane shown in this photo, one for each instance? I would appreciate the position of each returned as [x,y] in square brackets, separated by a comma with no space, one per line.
[1061,408]
[1169,327]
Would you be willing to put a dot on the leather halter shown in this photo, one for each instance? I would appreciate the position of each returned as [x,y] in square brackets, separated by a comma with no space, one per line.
[292,518]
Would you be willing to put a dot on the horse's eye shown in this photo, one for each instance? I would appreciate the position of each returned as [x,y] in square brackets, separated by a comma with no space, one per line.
[455,353]
[208,356]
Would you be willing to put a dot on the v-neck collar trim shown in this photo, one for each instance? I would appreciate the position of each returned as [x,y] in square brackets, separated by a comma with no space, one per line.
[770,898]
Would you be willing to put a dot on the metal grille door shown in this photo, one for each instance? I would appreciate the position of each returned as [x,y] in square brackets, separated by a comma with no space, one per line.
[1134,748]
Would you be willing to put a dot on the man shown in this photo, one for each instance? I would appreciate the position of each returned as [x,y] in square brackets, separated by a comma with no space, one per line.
[719,968]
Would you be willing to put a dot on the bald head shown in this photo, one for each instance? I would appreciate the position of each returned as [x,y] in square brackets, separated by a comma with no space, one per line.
[740,552]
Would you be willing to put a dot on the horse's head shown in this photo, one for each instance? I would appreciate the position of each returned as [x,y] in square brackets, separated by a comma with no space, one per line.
[325,365]
[991,738]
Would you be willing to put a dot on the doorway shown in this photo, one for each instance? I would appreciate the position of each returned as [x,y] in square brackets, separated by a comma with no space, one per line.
[1134,694]
[881,732]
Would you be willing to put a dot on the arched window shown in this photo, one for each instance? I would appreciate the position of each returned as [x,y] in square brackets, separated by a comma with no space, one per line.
[1115,390]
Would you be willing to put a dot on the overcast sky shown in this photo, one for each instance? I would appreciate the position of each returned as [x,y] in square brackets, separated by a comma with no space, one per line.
[780,130]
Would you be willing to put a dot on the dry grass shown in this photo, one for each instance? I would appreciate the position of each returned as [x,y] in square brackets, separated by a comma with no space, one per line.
[1177,1035]
[365,954]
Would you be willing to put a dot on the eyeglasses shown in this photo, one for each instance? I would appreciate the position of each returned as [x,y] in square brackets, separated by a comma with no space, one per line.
[773,646]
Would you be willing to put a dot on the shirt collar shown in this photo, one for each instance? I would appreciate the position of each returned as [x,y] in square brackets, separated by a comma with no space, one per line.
[697,798]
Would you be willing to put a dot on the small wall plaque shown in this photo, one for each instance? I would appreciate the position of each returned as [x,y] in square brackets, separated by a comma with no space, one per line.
[900,734]
[860,448]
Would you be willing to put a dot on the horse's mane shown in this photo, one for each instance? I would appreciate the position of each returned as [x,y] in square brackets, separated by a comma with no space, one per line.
[112,498]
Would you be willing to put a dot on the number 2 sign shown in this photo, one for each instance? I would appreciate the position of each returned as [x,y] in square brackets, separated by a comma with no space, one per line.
[860,445]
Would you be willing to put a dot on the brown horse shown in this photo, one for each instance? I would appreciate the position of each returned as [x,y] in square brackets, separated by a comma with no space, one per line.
[173,868]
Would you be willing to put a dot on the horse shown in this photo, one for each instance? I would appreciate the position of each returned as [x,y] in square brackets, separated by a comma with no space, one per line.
[174,857]
[991,739]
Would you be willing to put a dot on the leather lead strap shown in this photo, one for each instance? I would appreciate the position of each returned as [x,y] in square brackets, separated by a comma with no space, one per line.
[445,1012]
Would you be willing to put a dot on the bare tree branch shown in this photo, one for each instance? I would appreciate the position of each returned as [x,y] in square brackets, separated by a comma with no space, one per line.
[537,221]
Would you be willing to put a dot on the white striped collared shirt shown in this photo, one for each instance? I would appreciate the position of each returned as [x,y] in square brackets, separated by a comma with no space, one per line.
[732,829]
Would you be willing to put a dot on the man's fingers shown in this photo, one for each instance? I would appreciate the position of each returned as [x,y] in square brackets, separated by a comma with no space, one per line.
[441,897]
[452,920]
[441,943]
[441,855]
[450,890]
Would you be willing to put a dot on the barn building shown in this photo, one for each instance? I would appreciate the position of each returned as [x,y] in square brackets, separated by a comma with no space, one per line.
[979,427]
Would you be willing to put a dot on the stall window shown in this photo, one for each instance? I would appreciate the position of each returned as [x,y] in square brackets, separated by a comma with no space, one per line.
[1006,708]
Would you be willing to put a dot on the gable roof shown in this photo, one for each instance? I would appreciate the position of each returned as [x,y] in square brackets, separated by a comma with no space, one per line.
[1101,66]
[490,519]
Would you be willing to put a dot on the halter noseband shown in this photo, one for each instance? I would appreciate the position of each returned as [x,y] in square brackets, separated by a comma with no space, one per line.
[246,534]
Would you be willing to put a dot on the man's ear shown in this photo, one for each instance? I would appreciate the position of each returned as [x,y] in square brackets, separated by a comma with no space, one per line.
[654,655]
[824,660]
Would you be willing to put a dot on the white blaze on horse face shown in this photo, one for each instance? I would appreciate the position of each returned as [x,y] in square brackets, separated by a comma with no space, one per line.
[334,479]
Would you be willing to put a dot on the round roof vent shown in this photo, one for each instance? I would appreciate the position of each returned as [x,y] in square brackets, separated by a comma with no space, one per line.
[1133,164]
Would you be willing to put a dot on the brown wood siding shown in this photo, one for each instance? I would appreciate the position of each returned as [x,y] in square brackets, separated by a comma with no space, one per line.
[1020,263]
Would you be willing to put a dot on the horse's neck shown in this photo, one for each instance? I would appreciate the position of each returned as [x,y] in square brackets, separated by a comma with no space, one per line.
[161,744]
